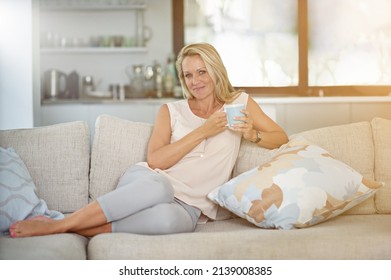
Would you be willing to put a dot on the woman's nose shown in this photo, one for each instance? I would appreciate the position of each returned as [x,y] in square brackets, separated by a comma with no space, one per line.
[195,80]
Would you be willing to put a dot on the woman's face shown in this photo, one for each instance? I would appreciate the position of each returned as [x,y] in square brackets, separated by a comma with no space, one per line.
[198,80]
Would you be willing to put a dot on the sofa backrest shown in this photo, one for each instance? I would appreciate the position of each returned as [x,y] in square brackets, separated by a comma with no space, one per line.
[365,146]
[117,144]
[57,158]
[381,129]
[350,143]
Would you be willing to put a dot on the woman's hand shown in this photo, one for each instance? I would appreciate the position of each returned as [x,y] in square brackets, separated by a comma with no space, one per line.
[246,126]
[162,154]
[273,136]
[215,124]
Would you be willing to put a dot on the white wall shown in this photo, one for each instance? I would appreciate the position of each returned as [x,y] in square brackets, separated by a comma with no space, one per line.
[16,71]
[159,18]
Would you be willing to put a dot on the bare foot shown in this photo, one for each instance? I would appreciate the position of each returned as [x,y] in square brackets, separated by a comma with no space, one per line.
[40,217]
[34,227]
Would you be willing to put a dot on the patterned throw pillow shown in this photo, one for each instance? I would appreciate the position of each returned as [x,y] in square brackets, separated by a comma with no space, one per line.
[18,198]
[302,185]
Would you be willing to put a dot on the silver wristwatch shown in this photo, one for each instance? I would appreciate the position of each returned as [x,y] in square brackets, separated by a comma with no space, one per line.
[259,137]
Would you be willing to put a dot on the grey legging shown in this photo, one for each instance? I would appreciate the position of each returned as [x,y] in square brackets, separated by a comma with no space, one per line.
[144,203]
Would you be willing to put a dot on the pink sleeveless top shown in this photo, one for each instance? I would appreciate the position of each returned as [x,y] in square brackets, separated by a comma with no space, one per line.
[208,165]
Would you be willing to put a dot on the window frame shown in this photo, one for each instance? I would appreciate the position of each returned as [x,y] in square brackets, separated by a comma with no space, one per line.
[302,89]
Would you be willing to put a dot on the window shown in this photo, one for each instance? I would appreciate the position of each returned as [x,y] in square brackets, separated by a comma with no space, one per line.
[294,47]
[354,47]
[267,47]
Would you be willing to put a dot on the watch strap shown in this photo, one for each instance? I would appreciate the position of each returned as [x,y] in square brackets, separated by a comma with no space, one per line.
[259,137]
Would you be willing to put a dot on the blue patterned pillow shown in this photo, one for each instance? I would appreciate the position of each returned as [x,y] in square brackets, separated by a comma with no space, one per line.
[301,186]
[18,198]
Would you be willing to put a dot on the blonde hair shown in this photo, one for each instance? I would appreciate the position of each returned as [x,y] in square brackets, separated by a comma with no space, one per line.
[224,91]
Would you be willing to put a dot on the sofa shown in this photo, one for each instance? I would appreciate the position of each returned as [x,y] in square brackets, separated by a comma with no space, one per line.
[69,172]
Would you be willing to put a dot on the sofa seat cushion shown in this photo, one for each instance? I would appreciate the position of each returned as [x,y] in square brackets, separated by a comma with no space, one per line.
[340,238]
[382,138]
[118,143]
[57,158]
[65,246]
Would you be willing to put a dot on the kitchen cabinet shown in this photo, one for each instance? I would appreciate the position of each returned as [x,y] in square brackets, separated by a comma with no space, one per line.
[293,114]
[367,111]
[135,110]
[296,114]
[98,38]
[301,117]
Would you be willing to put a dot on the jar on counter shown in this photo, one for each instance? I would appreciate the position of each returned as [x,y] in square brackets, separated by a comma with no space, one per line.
[137,82]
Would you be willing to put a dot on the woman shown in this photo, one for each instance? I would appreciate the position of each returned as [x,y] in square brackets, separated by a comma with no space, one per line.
[191,151]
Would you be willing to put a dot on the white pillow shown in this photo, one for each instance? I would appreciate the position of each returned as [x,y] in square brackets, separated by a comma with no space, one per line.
[18,198]
[302,185]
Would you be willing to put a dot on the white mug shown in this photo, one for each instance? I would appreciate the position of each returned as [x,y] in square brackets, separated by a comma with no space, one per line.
[232,111]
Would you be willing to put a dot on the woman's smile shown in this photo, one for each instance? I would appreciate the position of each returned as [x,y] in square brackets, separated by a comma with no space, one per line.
[197,89]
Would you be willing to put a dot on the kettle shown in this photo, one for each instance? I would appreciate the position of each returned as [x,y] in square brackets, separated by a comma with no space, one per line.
[55,84]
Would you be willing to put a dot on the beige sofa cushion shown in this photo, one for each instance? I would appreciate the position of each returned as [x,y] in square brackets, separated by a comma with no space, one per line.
[303,185]
[117,144]
[64,246]
[382,138]
[57,158]
[353,145]
[350,143]
[236,239]
[250,156]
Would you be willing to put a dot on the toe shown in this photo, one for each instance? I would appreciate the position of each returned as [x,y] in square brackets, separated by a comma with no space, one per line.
[12,229]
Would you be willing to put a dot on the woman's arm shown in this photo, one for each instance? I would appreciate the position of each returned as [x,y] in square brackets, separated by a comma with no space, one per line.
[272,135]
[162,154]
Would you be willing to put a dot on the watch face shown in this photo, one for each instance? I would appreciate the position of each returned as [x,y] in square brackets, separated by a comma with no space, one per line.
[258,134]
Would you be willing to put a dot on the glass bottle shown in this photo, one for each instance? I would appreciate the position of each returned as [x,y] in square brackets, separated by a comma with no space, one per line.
[137,82]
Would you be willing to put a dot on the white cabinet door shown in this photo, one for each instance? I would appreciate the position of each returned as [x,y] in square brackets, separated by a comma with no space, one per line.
[301,117]
[134,112]
[60,113]
[368,111]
